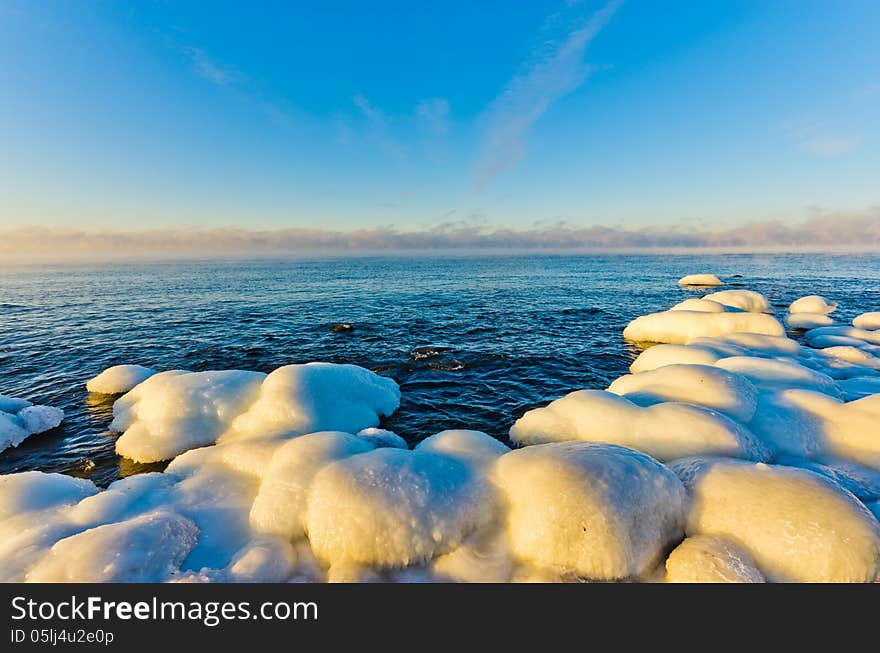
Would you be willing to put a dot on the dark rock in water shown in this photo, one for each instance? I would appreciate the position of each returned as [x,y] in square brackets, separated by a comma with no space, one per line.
[446,365]
[343,328]
[428,351]
[736,276]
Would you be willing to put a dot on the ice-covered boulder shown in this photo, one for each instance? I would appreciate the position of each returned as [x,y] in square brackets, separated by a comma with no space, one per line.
[34,491]
[664,431]
[393,508]
[863,482]
[599,511]
[815,304]
[175,411]
[119,379]
[680,327]
[661,355]
[859,387]
[702,385]
[318,397]
[869,321]
[710,559]
[864,336]
[774,374]
[280,506]
[703,306]
[750,344]
[807,321]
[796,525]
[472,447]
[144,549]
[20,419]
[747,300]
[172,412]
[700,280]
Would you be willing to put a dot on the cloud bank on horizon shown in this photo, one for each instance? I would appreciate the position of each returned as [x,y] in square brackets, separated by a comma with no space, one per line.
[824,230]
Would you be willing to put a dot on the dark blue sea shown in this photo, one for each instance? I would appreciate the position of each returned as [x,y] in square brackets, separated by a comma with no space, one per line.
[473,341]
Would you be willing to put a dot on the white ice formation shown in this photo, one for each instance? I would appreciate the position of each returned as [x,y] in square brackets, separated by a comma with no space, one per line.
[20,419]
[731,453]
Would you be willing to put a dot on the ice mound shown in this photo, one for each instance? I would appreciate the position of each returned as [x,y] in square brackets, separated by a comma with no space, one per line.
[774,374]
[863,335]
[868,321]
[747,300]
[709,559]
[680,327]
[664,431]
[143,550]
[812,304]
[172,412]
[859,387]
[702,385]
[390,508]
[598,511]
[318,397]
[752,344]
[700,280]
[796,525]
[471,447]
[20,419]
[704,306]
[806,321]
[660,355]
[119,379]
[280,505]
[862,482]
[34,491]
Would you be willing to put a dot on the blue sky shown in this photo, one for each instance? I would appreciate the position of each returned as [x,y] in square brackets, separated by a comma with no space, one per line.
[118,115]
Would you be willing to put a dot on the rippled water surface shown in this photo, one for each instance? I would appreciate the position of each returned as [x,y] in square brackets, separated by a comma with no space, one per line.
[473,341]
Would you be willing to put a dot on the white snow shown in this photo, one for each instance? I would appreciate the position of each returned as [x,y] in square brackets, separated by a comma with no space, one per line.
[680,327]
[710,559]
[702,385]
[20,419]
[660,355]
[173,412]
[390,508]
[747,300]
[598,511]
[815,304]
[119,379]
[806,321]
[796,525]
[868,321]
[664,431]
[703,306]
[700,280]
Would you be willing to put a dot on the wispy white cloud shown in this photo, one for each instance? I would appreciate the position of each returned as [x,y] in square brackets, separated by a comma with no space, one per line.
[433,116]
[378,126]
[814,137]
[209,69]
[557,70]
[858,230]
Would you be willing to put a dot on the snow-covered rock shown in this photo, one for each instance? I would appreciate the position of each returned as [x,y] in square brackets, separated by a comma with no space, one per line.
[815,304]
[795,524]
[390,508]
[702,385]
[710,559]
[598,511]
[20,419]
[172,412]
[869,321]
[664,431]
[807,321]
[680,327]
[747,300]
[119,379]
[700,280]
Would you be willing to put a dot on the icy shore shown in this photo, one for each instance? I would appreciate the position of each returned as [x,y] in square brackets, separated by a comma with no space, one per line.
[731,453]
